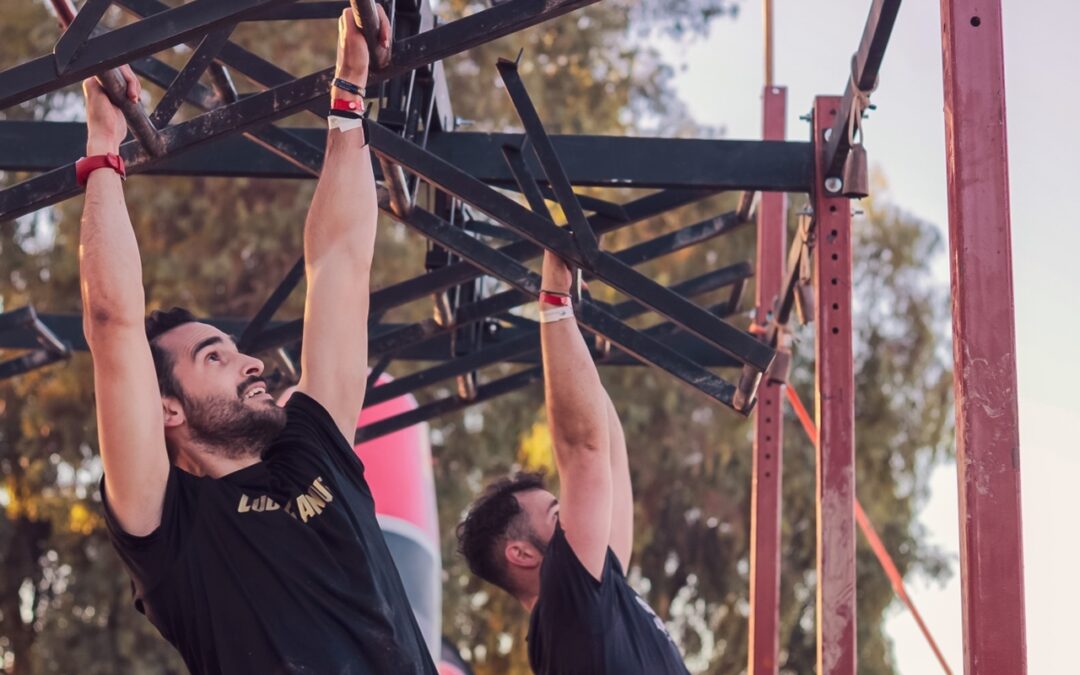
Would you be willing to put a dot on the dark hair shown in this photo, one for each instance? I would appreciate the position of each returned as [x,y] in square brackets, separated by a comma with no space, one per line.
[492,519]
[161,321]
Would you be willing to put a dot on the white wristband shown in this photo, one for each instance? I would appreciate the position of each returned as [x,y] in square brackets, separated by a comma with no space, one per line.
[344,124]
[556,314]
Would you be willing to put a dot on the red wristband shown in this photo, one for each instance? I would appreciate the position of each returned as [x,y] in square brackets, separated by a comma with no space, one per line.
[85,165]
[342,105]
[553,299]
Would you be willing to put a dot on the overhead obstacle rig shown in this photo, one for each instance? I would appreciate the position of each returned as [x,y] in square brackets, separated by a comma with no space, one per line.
[416,144]
[415,135]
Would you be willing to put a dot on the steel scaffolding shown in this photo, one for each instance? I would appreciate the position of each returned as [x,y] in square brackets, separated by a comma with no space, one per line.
[416,142]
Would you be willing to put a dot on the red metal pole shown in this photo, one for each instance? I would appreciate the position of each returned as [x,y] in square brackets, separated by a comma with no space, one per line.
[984,339]
[768,450]
[835,409]
[872,538]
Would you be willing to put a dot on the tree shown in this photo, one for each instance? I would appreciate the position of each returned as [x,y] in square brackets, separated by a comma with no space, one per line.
[64,598]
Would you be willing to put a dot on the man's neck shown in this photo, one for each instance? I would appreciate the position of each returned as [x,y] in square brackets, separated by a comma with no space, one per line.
[529,601]
[200,461]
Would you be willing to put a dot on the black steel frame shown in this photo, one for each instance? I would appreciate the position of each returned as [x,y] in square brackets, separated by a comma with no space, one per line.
[416,143]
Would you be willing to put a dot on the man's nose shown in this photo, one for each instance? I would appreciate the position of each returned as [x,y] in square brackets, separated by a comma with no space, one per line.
[254,367]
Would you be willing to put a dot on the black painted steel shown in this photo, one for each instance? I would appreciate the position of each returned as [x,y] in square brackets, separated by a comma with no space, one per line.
[542,232]
[590,161]
[864,73]
[584,237]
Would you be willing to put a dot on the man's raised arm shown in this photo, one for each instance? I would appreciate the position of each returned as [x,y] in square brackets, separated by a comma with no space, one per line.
[129,414]
[339,239]
[577,408]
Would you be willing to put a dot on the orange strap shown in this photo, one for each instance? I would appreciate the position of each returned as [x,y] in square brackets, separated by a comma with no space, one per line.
[871,535]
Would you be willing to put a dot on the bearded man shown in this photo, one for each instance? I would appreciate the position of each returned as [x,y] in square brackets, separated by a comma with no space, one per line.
[248,529]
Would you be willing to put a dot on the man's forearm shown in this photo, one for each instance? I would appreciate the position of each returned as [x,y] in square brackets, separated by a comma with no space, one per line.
[110,269]
[576,400]
[344,209]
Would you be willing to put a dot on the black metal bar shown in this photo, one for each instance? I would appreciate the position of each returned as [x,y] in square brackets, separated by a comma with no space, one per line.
[67,328]
[591,316]
[405,337]
[486,229]
[276,103]
[864,73]
[530,342]
[79,27]
[304,11]
[112,80]
[117,47]
[746,203]
[526,183]
[463,272]
[736,297]
[271,306]
[174,96]
[484,392]
[52,348]
[607,268]
[584,237]
[376,372]
[255,67]
[39,358]
[601,161]
[486,356]
[151,69]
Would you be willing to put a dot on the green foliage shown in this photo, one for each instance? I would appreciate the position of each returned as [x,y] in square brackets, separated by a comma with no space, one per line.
[220,246]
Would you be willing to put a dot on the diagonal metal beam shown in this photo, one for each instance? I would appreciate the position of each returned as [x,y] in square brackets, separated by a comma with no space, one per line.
[119,46]
[864,72]
[739,344]
[252,111]
[584,237]
[78,31]
[484,392]
[462,272]
[591,316]
[529,342]
[200,59]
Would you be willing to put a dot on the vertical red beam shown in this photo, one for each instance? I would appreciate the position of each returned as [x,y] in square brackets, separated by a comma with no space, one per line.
[835,409]
[768,451]
[984,339]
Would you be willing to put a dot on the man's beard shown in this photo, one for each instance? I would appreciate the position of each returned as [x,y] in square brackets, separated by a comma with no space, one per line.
[231,428]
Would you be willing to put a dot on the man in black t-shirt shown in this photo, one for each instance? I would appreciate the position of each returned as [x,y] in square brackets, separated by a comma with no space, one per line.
[565,559]
[249,530]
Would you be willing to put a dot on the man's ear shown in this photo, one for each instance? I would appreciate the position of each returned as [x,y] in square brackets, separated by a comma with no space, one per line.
[172,411]
[522,554]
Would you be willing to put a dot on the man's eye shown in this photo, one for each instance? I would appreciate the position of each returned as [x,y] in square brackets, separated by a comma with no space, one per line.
[213,356]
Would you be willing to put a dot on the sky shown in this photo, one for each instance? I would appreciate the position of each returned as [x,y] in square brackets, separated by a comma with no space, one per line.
[721,82]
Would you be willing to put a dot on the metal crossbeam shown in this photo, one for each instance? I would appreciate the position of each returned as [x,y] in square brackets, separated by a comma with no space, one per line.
[543,233]
[123,45]
[590,161]
[47,347]
[464,272]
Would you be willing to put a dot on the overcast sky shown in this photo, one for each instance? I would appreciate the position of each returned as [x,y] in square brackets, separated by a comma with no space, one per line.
[905,137]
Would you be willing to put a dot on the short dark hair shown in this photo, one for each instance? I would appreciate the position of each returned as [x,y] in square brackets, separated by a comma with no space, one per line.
[161,321]
[492,519]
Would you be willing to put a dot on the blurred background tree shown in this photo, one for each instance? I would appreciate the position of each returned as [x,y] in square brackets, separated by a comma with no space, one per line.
[219,247]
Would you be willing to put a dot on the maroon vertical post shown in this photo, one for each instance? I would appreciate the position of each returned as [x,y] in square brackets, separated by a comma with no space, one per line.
[768,451]
[984,339]
[835,410]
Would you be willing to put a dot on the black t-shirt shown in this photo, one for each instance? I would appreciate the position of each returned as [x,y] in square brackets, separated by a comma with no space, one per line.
[581,626]
[279,567]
